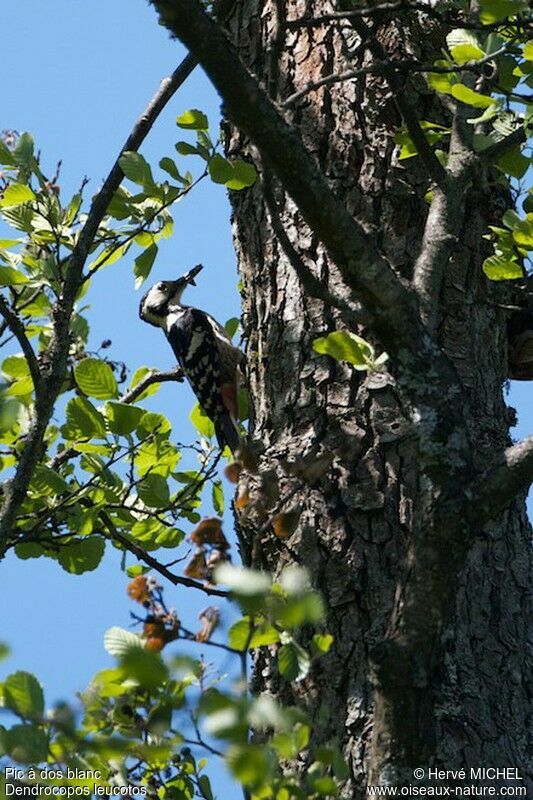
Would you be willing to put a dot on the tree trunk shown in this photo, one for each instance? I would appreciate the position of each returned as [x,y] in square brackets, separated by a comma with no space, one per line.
[359,518]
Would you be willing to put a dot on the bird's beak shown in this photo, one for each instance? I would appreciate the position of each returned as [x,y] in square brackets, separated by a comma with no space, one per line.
[191,275]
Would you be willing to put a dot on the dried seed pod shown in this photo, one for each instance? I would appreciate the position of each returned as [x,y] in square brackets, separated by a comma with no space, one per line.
[197,568]
[285,524]
[209,531]
[153,628]
[215,558]
[155,644]
[209,618]
[242,499]
[139,589]
[233,471]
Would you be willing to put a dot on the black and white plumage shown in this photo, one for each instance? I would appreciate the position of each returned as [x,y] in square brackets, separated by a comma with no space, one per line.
[203,350]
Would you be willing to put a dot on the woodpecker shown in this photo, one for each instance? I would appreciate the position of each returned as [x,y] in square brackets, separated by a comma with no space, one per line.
[204,351]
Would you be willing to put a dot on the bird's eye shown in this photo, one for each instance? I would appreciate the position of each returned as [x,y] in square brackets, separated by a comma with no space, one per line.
[162,286]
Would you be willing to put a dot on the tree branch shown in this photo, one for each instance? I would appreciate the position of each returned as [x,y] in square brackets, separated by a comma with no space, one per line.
[446,215]
[131,395]
[142,555]
[16,327]
[495,490]
[15,489]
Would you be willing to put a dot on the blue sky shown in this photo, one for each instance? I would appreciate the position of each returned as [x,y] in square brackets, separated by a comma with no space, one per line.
[77,75]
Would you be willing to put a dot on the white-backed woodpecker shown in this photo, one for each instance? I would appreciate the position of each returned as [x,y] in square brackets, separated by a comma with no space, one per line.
[204,351]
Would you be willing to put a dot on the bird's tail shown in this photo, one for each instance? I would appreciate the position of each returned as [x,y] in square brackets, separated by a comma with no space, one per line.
[227,432]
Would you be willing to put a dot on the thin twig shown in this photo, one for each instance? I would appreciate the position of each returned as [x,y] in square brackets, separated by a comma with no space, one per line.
[357,13]
[384,66]
[17,328]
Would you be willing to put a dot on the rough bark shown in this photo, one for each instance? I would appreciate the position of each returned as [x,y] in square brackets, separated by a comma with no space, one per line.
[360,524]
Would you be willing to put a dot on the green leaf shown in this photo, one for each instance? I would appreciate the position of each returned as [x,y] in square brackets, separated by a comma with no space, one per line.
[72,209]
[251,764]
[218,497]
[143,265]
[83,420]
[145,668]
[494,10]
[302,610]
[293,662]
[201,422]
[137,169]
[263,634]
[24,151]
[219,169]
[514,163]
[204,786]
[501,268]
[523,232]
[289,744]
[136,569]
[186,149]
[171,537]
[463,53]
[157,457]
[81,555]
[95,378]
[243,175]
[193,120]
[108,256]
[15,367]
[23,694]
[470,97]
[233,174]
[4,651]
[511,219]
[6,156]
[409,149]
[118,641]
[154,491]
[169,166]
[26,744]
[151,423]
[122,418]
[528,51]
[47,481]
[323,785]
[10,276]
[442,82]
[347,346]
[232,326]
[16,194]
[20,387]
[26,550]
[322,642]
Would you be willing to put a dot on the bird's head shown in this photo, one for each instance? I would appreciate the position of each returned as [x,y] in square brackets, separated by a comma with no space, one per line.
[158,300]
